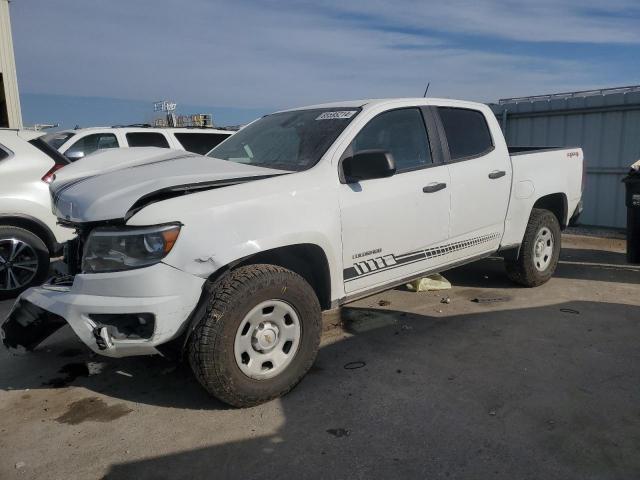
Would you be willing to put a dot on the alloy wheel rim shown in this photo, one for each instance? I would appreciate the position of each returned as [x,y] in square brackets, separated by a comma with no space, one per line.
[18,264]
[267,339]
[543,249]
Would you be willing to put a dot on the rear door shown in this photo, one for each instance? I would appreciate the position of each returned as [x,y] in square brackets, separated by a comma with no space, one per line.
[388,224]
[480,181]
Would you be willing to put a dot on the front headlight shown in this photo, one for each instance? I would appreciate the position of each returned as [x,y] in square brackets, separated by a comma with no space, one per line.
[111,249]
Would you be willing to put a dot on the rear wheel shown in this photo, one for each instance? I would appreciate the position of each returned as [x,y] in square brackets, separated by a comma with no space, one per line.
[539,252]
[24,261]
[259,336]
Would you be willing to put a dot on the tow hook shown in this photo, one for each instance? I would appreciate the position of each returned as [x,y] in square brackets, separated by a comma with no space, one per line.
[102,338]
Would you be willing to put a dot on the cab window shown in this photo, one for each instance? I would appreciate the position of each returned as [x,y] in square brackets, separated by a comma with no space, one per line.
[402,133]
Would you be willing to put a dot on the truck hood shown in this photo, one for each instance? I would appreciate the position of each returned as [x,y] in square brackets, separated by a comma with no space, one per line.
[115,184]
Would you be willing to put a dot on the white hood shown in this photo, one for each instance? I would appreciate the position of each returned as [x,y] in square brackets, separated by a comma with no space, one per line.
[107,185]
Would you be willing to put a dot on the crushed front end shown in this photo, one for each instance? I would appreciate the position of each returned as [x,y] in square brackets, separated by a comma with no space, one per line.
[114,312]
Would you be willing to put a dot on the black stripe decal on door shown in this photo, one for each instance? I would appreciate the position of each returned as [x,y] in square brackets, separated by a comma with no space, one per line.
[372,266]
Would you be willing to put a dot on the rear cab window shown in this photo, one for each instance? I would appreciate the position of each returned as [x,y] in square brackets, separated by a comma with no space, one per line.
[468,134]
[200,142]
[147,139]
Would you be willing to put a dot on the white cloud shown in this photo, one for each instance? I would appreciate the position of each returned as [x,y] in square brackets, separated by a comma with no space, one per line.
[581,21]
[279,54]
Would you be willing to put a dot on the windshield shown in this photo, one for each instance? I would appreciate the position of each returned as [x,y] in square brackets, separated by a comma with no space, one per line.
[57,139]
[287,141]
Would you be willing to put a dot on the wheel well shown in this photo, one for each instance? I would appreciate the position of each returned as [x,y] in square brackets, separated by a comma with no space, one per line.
[34,226]
[307,260]
[556,203]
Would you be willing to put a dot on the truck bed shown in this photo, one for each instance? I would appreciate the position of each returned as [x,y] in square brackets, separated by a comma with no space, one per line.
[521,150]
[538,172]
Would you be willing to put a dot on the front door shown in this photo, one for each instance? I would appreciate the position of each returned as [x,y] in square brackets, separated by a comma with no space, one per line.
[389,223]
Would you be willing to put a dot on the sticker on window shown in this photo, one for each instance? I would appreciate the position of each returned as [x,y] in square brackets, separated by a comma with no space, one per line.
[337,115]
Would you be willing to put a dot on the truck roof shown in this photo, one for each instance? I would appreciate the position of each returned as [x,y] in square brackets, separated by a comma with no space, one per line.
[373,102]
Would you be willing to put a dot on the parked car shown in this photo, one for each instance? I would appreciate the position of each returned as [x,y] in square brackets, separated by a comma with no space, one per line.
[29,233]
[231,257]
[76,144]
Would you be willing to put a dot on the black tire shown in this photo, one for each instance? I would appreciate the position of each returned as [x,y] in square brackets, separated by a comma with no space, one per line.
[211,345]
[523,270]
[39,253]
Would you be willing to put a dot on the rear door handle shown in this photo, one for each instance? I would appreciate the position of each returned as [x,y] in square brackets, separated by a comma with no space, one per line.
[434,187]
[497,174]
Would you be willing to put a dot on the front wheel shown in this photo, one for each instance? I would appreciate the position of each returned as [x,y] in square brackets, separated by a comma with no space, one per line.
[539,251]
[259,336]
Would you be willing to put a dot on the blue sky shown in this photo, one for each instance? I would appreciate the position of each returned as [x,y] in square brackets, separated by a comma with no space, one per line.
[93,62]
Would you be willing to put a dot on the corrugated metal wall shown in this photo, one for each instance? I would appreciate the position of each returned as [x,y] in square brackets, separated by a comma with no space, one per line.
[606,124]
[8,68]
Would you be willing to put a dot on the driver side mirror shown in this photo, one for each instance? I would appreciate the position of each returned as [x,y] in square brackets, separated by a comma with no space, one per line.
[367,165]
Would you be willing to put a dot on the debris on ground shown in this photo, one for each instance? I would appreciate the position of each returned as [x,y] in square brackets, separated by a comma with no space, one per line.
[354,365]
[429,284]
[570,310]
[445,300]
[339,432]
[20,465]
[384,303]
[95,368]
[490,299]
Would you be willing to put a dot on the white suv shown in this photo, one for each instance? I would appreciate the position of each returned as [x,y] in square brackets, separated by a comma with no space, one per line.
[29,232]
[76,144]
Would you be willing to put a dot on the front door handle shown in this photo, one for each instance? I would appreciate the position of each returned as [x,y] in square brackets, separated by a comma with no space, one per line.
[497,174]
[434,187]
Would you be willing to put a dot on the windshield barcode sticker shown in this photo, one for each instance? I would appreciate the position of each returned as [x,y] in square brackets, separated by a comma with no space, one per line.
[337,115]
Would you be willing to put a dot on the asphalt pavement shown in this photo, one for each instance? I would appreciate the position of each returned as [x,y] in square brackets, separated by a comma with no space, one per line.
[498,382]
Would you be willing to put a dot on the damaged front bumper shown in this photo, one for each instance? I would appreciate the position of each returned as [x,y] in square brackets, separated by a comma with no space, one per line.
[115,314]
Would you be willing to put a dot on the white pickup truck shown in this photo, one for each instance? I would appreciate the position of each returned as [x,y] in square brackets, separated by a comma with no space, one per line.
[231,257]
